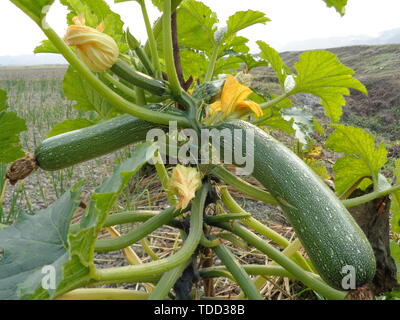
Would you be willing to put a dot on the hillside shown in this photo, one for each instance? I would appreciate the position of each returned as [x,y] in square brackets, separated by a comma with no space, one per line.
[378,67]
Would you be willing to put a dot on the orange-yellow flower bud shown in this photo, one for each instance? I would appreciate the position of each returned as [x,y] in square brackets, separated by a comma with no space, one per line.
[184,182]
[96,49]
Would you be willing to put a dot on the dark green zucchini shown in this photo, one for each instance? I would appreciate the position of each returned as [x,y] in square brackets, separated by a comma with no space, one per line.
[138,79]
[77,146]
[332,239]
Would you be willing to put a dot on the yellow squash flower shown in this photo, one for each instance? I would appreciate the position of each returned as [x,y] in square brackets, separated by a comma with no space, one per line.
[233,98]
[184,182]
[96,49]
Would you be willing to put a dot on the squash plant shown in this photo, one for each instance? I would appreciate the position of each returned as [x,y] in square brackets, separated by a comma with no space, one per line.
[186,75]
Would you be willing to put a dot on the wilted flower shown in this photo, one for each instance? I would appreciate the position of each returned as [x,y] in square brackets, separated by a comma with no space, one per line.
[184,182]
[98,50]
[233,98]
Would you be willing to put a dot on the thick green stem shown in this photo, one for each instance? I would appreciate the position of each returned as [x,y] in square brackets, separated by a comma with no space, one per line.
[237,271]
[122,218]
[159,25]
[261,281]
[104,294]
[310,281]
[167,281]
[135,46]
[349,203]
[152,40]
[117,101]
[211,65]
[138,233]
[260,228]
[164,178]
[242,186]
[254,270]
[169,51]
[131,273]
[119,86]
[264,106]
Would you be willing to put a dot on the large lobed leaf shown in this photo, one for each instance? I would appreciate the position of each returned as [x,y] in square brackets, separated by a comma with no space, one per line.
[10,127]
[275,62]
[43,240]
[244,19]
[362,157]
[34,242]
[195,18]
[321,74]
[77,89]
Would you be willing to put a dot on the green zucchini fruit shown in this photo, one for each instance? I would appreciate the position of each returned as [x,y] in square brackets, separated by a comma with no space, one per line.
[138,79]
[336,245]
[81,145]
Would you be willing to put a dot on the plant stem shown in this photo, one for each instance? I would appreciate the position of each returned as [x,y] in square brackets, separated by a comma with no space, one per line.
[104,294]
[310,281]
[167,281]
[237,271]
[131,273]
[164,178]
[146,247]
[138,233]
[175,45]
[242,186]
[349,203]
[211,65]
[256,270]
[151,40]
[260,228]
[261,281]
[169,51]
[159,24]
[117,101]
[264,105]
[119,85]
[121,218]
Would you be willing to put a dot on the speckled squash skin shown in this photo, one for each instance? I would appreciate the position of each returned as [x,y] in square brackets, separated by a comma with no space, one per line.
[329,234]
[81,145]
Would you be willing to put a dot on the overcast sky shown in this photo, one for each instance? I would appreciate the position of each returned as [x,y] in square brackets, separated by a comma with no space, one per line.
[292,20]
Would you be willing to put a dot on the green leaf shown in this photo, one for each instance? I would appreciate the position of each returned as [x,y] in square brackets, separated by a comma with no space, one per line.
[46,47]
[395,208]
[196,26]
[69,125]
[73,253]
[339,5]
[395,252]
[251,62]
[362,157]
[234,46]
[303,123]
[321,74]
[10,127]
[36,10]
[35,241]
[228,65]
[244,19]
[194,64]
[275,62]
[77,89]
